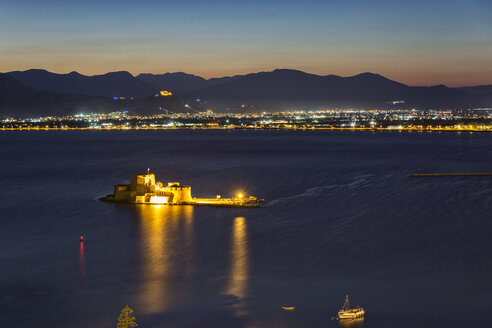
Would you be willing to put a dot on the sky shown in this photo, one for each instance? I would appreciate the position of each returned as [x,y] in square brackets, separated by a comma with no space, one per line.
[419,42]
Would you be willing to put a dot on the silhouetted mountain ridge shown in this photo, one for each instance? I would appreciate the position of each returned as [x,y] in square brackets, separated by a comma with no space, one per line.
[180,82]
[119,84]
[291,89]
[278,90]
[12,88]
[476,90]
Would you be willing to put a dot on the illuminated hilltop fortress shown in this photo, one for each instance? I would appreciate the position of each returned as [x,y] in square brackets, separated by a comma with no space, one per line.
[144,190]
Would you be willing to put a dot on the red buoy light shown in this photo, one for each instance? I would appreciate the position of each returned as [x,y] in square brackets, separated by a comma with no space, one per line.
[81,238]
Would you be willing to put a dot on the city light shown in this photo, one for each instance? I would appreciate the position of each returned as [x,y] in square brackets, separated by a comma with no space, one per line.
[478,120]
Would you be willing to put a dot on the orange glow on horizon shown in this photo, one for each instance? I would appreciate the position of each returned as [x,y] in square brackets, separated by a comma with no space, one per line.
[407,72]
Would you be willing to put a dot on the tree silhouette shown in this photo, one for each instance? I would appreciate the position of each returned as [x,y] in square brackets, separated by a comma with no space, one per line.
[126,319]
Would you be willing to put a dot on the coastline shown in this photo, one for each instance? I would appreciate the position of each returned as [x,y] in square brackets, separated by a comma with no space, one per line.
[118,128]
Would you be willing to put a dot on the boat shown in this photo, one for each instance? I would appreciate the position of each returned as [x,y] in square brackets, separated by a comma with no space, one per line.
[348,312]
[287,308]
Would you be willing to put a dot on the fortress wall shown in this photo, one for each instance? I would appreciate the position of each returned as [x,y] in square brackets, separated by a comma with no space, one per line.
[181,194]
[121,192]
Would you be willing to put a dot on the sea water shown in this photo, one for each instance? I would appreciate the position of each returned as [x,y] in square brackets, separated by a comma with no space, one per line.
[341,216]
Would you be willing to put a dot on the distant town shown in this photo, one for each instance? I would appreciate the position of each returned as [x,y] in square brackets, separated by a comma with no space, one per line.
[421,120]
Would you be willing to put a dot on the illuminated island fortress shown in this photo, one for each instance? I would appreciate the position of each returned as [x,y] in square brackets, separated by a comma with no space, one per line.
[144,190]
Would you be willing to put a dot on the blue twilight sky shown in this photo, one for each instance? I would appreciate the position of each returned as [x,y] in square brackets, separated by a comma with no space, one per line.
[416,42]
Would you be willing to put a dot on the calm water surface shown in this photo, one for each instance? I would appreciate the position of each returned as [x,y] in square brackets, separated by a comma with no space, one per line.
[341,216]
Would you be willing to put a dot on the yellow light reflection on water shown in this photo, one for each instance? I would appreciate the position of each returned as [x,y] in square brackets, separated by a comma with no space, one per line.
[239,272]
[351,323]
[164,231]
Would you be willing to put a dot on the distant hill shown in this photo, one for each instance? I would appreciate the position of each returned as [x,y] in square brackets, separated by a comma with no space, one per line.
[180,82]
[159,104]
[56,104]
[290,89]
[12,88]
[174,82]
[20,101]
[119,84]
[481,89]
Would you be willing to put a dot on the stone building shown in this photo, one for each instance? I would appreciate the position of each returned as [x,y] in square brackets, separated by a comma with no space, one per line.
[144,190]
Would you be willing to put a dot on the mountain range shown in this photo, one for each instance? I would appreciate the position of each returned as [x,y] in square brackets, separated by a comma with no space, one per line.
[292,89]
[109,85]
[40,92]
[182,83]
[53,98]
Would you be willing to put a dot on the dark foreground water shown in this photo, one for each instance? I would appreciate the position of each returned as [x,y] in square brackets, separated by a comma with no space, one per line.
[341,216]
